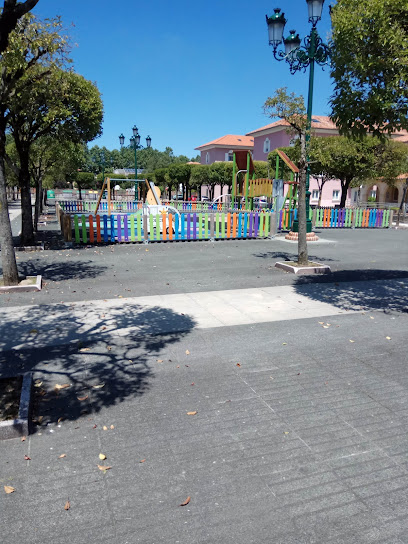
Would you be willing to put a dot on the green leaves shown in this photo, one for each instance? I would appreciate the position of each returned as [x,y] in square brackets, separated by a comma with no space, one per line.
[370,65]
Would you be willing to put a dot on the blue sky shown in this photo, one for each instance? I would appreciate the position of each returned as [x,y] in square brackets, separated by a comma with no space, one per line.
[184,72]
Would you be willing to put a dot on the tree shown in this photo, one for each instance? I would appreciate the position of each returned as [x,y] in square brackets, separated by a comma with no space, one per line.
[9,18]
[354,160]
[60,104]
[199,177]
[180,175]
[369,59]
[10,14]
[291,108]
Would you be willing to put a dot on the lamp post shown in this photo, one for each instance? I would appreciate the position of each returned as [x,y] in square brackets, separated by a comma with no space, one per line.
[300,58]
[135,143]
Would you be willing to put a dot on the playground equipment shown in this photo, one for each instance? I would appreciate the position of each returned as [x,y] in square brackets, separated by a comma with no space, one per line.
[250,187]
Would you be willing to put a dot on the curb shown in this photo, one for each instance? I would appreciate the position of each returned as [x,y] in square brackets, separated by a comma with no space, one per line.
[23,288]
[15,428]
[303,270]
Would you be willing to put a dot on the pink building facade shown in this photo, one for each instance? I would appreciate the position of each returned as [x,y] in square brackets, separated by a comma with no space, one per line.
[275,135]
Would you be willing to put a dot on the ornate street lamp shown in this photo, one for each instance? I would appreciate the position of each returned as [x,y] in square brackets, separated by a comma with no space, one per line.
[135,143]
[300,58]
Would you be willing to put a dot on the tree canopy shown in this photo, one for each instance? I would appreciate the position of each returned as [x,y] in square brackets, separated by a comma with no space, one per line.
[369,60]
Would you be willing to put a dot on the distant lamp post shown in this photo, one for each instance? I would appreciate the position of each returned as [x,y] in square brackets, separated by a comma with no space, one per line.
[135,143]
[300,58]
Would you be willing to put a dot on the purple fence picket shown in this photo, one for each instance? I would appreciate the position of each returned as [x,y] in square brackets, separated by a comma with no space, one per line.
[119,227]
[125,228]
[256,224]
[251,224]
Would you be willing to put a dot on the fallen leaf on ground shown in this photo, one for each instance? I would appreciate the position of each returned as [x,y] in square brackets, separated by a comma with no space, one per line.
[352,341]
[8,489]
[325,327]
[185,502]
[94,427]
[142,461]
[60,419]
[371,317]
[112,427]
[105,428]
[238,364]
[38,383]
[109,348]
[104,468]
[58,386]
[62,455]
[284,344]
[85,349]
[99,386]
[26,458]
[33,331]
[82,398]
[192,413]
[286,432]
[187,352]
[193,383]
[321,322]
[67,505]
[23,438]
[388,337]
[102,456]
[159,360]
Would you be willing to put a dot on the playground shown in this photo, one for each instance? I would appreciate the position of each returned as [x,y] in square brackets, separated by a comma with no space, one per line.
[256,208]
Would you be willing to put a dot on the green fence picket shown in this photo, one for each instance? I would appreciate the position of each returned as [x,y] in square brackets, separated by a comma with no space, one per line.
[139,227]
[132,228]
[76,227]
[223,225]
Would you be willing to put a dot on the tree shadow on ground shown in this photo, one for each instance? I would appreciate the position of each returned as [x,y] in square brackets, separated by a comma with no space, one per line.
[103,356]
[60,271]
[290,256]
[385,290]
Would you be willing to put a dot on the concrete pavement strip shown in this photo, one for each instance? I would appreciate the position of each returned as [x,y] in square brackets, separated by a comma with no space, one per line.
[55,324]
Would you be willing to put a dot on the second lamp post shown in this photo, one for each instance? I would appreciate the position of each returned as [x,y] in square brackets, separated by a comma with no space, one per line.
[135,143]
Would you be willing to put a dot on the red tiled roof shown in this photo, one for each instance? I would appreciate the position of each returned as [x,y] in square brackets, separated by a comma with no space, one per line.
[232,141]
[318,121]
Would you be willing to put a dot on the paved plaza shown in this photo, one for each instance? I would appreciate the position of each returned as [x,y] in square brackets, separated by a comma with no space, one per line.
[297,390]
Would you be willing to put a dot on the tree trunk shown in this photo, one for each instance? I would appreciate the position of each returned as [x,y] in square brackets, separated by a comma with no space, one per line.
[27,230]
[8,257]
[303,257]
[38,203]
[80,192]
[344,188]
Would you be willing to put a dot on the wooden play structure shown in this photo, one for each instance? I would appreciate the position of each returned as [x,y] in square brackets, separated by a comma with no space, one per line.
[150,195]
[246,186]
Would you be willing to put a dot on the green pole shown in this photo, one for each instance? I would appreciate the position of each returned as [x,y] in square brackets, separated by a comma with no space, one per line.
[234,181]
[247,179]
[312,53]
[277,167]
[136,182]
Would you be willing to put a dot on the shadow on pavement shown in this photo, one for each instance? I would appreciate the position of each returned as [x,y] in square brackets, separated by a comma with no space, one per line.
[61,271]
[104,357]
[290,256]
[385,290]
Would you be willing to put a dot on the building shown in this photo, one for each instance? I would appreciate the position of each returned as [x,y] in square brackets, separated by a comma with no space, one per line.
[221,149]
[274,135]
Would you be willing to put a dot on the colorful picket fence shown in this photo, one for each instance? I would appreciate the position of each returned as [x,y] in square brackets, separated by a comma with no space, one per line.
[167,227]
[75,206]
[352,217]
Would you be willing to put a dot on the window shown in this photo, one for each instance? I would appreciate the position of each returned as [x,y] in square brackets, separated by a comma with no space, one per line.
[336,195]
[315,193]
[207,158]
[267,146]
[373,194]
[229,157]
